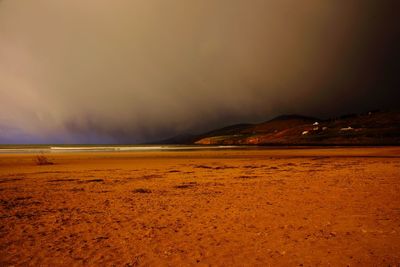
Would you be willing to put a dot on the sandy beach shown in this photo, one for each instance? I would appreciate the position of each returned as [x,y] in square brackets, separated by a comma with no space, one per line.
[256,207]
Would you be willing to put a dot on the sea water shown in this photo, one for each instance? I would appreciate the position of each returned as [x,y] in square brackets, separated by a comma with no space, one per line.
[4,149]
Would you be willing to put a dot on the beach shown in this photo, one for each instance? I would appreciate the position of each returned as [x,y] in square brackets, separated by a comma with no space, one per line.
[234,207]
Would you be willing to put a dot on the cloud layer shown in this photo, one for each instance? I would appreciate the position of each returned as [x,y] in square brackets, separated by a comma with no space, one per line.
[134,71]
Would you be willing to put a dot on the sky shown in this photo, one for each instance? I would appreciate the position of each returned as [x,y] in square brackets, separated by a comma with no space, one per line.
[132,71]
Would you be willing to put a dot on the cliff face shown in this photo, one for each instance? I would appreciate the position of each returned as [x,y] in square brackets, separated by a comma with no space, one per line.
[373,128]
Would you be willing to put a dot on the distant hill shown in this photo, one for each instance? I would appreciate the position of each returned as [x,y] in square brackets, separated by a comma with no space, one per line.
[371,128]
[183,139]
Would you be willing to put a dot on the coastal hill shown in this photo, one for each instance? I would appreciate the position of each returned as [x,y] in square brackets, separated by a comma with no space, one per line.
[371,128]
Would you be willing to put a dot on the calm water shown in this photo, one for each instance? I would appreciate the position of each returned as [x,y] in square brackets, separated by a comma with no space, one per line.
[102,148]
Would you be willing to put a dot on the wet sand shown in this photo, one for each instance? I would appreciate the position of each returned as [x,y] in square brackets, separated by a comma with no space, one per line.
[278,207]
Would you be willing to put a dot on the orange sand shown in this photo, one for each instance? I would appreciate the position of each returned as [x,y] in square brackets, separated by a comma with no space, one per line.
[281,207]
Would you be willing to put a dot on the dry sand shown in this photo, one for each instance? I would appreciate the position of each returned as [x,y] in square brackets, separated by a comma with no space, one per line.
[280,207]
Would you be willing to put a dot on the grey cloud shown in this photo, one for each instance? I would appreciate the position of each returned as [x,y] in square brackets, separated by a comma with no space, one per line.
[133,71]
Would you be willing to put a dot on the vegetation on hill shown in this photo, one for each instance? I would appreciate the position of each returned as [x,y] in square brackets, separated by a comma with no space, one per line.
[372,128]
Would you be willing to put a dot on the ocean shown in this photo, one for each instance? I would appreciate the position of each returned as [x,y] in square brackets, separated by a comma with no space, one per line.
[5,149]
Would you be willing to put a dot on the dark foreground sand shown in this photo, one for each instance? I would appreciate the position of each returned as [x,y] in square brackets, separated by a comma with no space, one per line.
[298,207]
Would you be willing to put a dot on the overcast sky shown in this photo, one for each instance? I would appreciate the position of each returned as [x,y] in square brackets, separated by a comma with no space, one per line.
[140,70]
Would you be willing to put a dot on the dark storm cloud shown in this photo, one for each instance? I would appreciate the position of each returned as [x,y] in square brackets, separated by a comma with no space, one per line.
[130,71]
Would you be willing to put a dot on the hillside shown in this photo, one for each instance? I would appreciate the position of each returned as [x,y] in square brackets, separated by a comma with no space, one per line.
[372,128]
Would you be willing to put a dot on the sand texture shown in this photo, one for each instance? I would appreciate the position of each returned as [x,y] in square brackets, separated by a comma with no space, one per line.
[278,207]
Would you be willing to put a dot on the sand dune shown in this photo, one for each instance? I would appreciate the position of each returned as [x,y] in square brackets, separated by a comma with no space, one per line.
[280,207]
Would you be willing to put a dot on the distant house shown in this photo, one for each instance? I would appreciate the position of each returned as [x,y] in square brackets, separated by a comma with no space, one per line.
[349,128]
